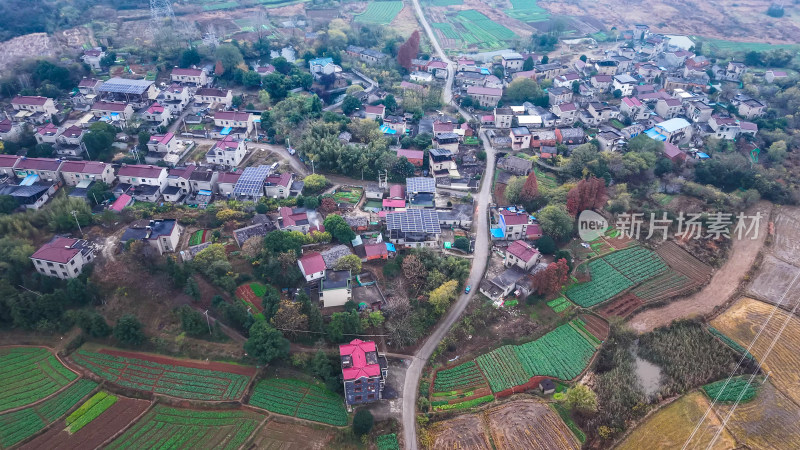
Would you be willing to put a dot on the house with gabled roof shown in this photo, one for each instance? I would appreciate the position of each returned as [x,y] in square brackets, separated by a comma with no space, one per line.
[162,143]
[190,76]
[364,372]
[239,120]
[63,257]
[162,234]
[45,168]
[522,254]
[47,134]
[34,109]
[278,185]
[227,152]
[211,97]
[312,266]
[74,172]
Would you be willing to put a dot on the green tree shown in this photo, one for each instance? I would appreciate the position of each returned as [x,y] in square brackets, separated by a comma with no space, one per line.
[264,98]
[528,64]
[583,58]
[265,343]
[343,324]
[98,141]
[349,262]
[314,183]
[545,59]
[390,103]
[192,289]
[189,58]
[523,90]
[99,192]
[546,245]
[128,330]
[230,57]
[278,242]
[270,302]
[60,217]
[777,151]
[282,65]
[556,222]
[350,104]
[192,321]
[8,204]
[338,228]
[461,243]
[441,297]
[362,422]
[251,79]
[581,398]
[513,190]
[617,93]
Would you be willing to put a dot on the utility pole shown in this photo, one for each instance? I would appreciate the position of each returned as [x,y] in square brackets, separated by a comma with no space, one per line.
[75,215]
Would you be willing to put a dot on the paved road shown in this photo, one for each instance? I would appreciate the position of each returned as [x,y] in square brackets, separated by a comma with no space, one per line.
[447,92]
[482,246]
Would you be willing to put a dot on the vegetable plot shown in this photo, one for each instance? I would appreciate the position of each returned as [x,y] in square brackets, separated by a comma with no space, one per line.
[637,263]
[19,425]
[606,283]
[387,442]
[299,399]
[175,380]
[730,393]
[503,368]
[460,377]
[166,428]
[89,411]
[380,13]
[30,374]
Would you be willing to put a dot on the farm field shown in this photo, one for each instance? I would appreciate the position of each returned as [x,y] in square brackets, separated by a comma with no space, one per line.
[598,327]
[562,353]
[30,374]
[606,282]
[559,305]
[300,399]
[729,394]
[480,30]
[103,427]
[177,378]
[247,294]
[379,12]
[281,436]
[348,195]
[773,279]
[199,237]
[464,376]
[527,11]
[89,410]
[460,387]
[673,424]
[529,424]
[165,427]
[787,235]
[19,425]
[621,307]
[464,431]
[767,421]
[387,442]
[742,321]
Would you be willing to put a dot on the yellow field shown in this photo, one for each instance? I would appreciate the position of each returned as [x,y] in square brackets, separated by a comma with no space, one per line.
[768,421]
[742,321]
[671,426]
[529,424]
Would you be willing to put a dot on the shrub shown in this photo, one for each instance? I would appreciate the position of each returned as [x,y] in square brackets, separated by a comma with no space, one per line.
[362,422]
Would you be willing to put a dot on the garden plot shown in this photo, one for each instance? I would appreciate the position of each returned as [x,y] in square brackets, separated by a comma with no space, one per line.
[730,391]
[177,378]
[379,12]
[30,374]
[673,424]
[529,424]
[100,429]
[281,436]
[199,237]
[251,294]
[297,398]
[19,425]
[165,427]
[387,442]
[460,387]
[687,274]
[742,321]
[773,279]
[621,307]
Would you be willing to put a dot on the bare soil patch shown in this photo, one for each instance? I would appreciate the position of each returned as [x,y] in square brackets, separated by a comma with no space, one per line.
[207,365]
[773,280]
[721,287]
[282,436]
[621,307]
[106,425]
[462,432]
[529,424]
[787,236]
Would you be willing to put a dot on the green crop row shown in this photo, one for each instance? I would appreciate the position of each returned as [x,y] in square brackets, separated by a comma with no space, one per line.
[465,405]
[731,343]
[387,442]
[300,399]
[380,13]
[502,368]
[30,374]
[606,283]
[90,414]
[460,377]
[730,393]
[562,353]
[19,425]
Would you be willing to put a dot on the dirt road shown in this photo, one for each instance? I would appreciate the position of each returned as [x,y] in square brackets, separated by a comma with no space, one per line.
[722,285]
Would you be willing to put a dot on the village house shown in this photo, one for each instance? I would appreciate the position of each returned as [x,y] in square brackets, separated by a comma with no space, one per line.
[46,169]
[466,65]
[320,67]
[523,255]
[47,134]
[421,77]
[116,113]
[602,82]
[88,86]
[7,164]
[335,288]
[625,84]
[162,234]
[239,121]
[226,181]
[72,136]
[162,143]
[698,111]
[63,257]
[415,157]
[520,138]
[437,68]
[486,97]
[92,57]
[419,192]
[512,62]
[566,112]
[175,99]
[227,152]
[503,284]
[632,130]
[374,112]
[214,98]
[470,78]
[606,67]
[293,220]
[633,108]
[566,80]
[751,108]
[414,228]
[610,140]
[503,117]
[570,136]
[675,154]
[364,372]
[192,77]
[724,127]
[441,159]
[155,117]
[312,266]
[10,130]
[366,55]
[559,95]
[515,165]
[178,183]
[34,109]
[139,93]
[203,179]
[513,225]
[775,75]
[601,112]
[674,130]
[543,138]
[148,181]
[732,71]
[550,71]
[73,172]
[668,108]
[278,185]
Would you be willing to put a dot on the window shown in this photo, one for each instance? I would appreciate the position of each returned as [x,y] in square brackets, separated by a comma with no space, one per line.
[49,264]
[72,263]
[371,396]
[358,398]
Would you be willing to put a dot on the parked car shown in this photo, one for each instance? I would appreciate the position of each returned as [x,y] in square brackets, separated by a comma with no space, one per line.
[467,289]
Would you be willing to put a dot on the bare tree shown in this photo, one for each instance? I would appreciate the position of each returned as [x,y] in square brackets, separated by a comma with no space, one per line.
[401,331]
[414,271]
[289,318]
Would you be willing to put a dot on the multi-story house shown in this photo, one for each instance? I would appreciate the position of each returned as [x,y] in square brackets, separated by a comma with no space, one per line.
[34,109]
[178,183]
[118,113]
[226,181]
[374,112]
[601,82]
[503,117]
[7,164]
[278,185]
[698,111]
[669,107]
[93,56]
[155,117]
[624,83]
[148,181]
[63,257]
[751,108]
[559,95]
[210,97]
[162,143]
[74,172]
[516,225]
[486,97]
[47,169]
[523,255]
[520,138]
[414,228]
[335,288]
[364,372]
[724,127]
[193,77]
[633,108]
[47,134]
[237,120]
[162,234]
[513,62]
[176,98]
[566,112]
[227,152]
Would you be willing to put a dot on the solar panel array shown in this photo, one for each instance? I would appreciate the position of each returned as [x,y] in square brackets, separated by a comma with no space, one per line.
[251,183]
[414,221]
[420,184]
[440,152]
[125,86]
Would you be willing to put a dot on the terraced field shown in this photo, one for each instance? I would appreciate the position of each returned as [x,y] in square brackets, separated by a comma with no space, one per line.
[380,12]
[297,398]
[30,374]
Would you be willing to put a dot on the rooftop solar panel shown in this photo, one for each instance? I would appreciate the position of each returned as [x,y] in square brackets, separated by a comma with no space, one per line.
[251,183]
[414,221]
[125,86]
[420,184]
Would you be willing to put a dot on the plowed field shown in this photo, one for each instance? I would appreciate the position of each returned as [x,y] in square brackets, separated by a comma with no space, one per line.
[529,424]
[462,432]
[281,436]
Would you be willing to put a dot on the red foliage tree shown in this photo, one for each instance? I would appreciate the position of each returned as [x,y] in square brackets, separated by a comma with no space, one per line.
[530,190]
[328,205]
[408,50]
[550,280]
[218,69]
[587,194]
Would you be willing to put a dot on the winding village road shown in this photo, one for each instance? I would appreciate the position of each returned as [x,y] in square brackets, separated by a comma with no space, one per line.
[482,248]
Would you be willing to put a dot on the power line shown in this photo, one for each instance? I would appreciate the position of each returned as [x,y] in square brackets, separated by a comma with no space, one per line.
[741,360]
[322,332]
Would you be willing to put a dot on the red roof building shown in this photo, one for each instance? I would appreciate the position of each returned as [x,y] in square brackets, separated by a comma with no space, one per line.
[397,191]
[415,157]
[364,371]
[376,251]
[522,254]
[63,257]
[121,202]
[312,265]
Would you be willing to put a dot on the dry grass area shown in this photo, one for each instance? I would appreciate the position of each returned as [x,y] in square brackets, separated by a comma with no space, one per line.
[529,424]
[768,421]
[21,47]
[672,425]
[773,280]
[743,20]
[741,323]
[462,432]
[282,436]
